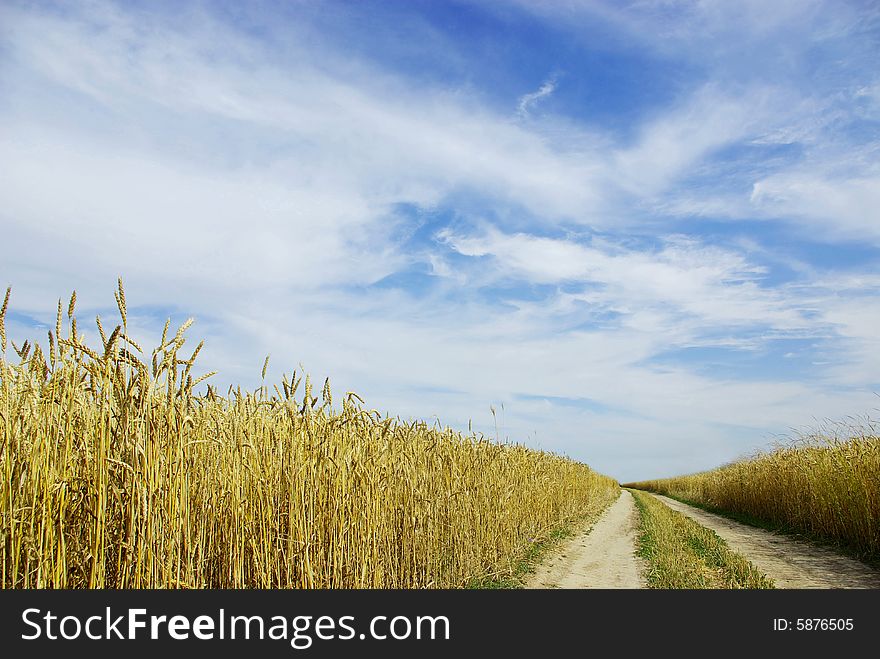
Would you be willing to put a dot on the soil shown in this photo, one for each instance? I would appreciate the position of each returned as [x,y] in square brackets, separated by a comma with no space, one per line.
[789,562]
[599,557]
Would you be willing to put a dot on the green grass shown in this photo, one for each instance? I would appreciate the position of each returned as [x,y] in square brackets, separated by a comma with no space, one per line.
[681,554]
[793,533]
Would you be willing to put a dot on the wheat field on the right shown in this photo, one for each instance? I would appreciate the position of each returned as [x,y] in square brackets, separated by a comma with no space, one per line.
[822,486]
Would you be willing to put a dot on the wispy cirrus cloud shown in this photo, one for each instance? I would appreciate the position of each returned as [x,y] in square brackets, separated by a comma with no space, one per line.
[678,287]
[528,101]
[837,207]
[692,286]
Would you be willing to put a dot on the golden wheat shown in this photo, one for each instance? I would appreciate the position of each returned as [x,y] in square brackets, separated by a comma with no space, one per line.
[118,475]
[825,487]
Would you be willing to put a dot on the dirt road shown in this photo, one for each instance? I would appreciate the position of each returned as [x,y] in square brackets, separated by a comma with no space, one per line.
[790,563]
[601,557]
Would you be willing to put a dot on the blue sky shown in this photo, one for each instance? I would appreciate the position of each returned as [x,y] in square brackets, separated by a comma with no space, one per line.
[650,230]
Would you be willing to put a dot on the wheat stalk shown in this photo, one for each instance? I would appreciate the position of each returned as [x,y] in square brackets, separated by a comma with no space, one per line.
[3,318]
[124,479]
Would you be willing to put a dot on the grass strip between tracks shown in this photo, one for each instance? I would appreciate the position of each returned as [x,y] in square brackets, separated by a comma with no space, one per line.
[680,553]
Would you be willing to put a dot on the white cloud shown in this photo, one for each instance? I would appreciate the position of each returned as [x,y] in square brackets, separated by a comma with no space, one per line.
[670,146]
[713,286]
[844,208]
[729,37]
[528,101]
[365,130]
[257,191]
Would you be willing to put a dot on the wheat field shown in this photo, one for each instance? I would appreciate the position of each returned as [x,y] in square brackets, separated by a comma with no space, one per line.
[119,474]
[824,486]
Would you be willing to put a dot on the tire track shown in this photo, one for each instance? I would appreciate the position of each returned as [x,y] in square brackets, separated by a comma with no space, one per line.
[601,557]
[790,563]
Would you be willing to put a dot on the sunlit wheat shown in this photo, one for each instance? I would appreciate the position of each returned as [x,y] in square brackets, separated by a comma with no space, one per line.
[118,474]
[823,485]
